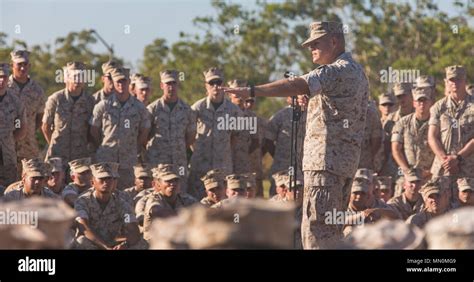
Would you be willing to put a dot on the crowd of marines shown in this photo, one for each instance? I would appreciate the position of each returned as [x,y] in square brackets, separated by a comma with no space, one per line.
[122,162]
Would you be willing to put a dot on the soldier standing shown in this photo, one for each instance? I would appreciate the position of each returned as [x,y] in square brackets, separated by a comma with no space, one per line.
[108,88]
[337,109]
[32,96]
[451,130]
[13,126]
[66,116]
[173,128]
[214,138]
[120,125]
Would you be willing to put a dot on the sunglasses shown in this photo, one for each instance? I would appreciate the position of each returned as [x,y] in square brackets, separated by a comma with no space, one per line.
[215,82]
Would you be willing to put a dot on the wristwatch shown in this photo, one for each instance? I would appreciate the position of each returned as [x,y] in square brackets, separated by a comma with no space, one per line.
[252,91]
[459,158]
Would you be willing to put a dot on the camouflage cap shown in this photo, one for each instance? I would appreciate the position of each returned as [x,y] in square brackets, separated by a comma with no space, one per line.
[453,230]
[212,181]
[455,72]
[4,69]
[383,182]
[250,179]
[386,235]
[365,173]
[134,77]
[80,165]
[164,172]
[74,66]
[281,178]
[402,88]
[56,164]
[237,83]
[414,174]
[319,29]
[143,82]
[263,224]
[431,187]
[20,56]
[105,169]
[236,181]
[142,170]
[465,184]
[109,66]
[419,93]
[425,81]
[213,73]
[120,73]
[360,185]
[32,167]
[169,76]
[386,98]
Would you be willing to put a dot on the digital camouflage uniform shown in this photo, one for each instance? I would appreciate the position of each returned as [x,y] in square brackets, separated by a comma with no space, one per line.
[373,130]
[120,126]
[334,133]
[106,222]
[12,114]
[169,131]
[212,147]
[279,131]
[404,207]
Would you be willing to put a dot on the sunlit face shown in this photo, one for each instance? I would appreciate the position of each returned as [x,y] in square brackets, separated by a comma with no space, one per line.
[405,101]
[34,184]
[169,188]
[235,193]
[21,70]
[82,179]
[359,199]
[237,100]
[143,95]
[412,188]
[121,86]
[322,50]
[433,203]
[422,106]
[455,85]
[386,108]
[216,194]
[170,90]
[103,185]
[213,90]
[465,197]
[143,182]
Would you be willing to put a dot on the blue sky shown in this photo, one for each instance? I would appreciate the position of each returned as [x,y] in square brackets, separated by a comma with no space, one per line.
[42,21]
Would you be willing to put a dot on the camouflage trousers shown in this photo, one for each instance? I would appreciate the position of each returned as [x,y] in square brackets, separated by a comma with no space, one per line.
[323,192]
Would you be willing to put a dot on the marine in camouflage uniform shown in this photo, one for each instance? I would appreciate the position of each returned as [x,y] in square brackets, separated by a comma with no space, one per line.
[410,147]
[81,177]
[215,187]
[121,126]
[143,178]
[108,89]
[451,132]
[215,137]
[102,215]
[166,200]
[410,201]
[13,126]
[32,96]
[33,183]
[66,117]
[173,128]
